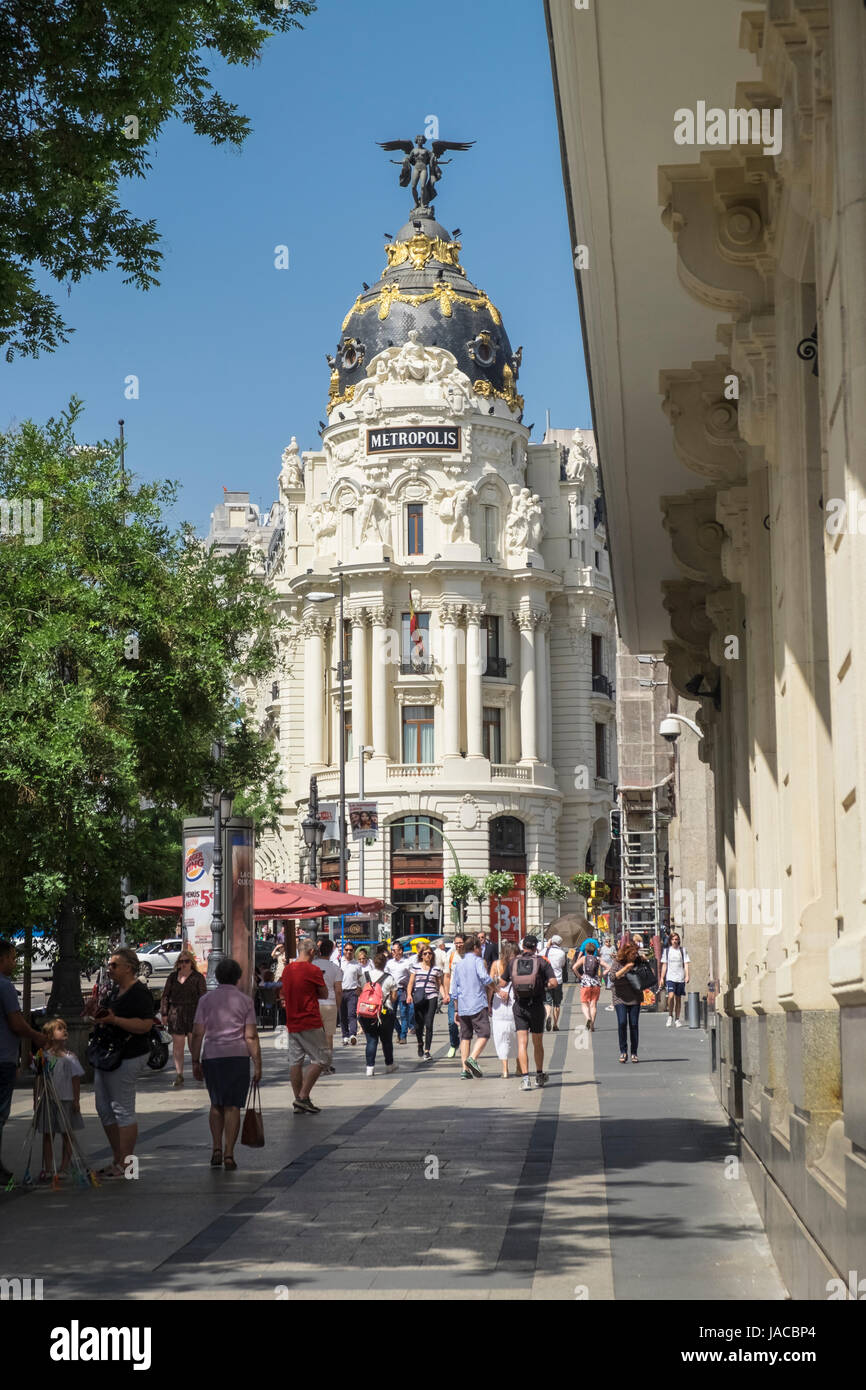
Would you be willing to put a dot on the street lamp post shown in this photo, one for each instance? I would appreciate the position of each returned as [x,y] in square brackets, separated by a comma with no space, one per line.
[341,670]
[222,810]
[314,829]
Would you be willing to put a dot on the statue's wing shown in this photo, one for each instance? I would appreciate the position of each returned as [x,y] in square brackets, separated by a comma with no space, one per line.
[440,146]
[407,146]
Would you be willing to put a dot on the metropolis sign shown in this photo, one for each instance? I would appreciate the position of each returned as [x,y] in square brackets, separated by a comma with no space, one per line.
[436,438]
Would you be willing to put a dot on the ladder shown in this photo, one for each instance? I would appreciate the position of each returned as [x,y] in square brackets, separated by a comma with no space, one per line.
[640,867]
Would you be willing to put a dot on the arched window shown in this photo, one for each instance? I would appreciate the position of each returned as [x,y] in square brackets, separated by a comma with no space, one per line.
[416,834]
[507,836]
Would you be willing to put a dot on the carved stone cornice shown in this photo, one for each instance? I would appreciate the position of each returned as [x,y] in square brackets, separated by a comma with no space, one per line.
[696,535]
[720,213]
[418,695]
[706,434]
[732,511]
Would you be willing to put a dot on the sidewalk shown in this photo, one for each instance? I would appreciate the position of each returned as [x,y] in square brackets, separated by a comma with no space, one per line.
[608,1183]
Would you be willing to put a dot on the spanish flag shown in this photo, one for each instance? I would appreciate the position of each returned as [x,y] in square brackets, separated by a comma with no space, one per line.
[413,617]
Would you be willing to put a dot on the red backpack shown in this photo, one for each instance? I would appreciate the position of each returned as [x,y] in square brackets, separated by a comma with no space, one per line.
[370,999]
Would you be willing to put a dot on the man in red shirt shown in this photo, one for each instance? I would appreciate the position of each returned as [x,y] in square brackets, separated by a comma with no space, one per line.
[303,987]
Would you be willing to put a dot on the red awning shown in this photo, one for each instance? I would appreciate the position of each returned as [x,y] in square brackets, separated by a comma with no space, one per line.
[282,900]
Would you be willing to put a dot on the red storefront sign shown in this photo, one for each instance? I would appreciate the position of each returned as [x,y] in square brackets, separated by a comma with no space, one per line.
[508,914]
[428,881]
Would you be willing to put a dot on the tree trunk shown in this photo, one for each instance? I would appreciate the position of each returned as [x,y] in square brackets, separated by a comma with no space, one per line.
[65,998]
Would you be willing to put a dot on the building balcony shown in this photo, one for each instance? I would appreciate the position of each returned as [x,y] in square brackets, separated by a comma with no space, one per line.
[399,771]
[416,668]
[601,686]
[496,666]
[515,772]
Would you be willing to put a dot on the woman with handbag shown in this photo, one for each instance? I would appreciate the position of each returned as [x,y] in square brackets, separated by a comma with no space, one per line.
[225,1022]
[627,996]
[183,989]
[118,1053]
[424,988]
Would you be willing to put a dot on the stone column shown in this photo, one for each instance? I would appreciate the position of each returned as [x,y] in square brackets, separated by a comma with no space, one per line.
[525,620]
[314,688]
[542,682]
[360,731]
[448,617]
[381,678]
[474,697]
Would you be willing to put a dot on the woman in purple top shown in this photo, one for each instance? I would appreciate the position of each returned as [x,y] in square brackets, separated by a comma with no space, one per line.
[225,1021]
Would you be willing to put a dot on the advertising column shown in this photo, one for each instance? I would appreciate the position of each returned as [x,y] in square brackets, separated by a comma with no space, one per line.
[238,889]
[198,887]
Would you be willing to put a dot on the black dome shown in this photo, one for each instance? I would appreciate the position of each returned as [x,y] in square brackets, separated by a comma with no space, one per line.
[425,288]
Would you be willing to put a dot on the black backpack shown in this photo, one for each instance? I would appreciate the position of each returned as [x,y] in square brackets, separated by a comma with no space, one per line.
[590,966]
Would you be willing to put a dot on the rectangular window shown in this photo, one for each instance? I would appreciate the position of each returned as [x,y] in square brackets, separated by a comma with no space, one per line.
[415,528]
[491,650]
[347,735]
[597,658]
[600,751]
[490,533]
[415,646]
[493,734]
[418,733]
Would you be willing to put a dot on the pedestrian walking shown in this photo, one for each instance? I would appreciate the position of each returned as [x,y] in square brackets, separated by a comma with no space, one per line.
[489,952]
[129,1018]
[588,967]
[351,985]
[329,1007]
[278,956]
[606,956]
[362,956]
[13,1027]
[530,976]
[675,976]
[425,986]
[303,987]
[455,954]
[225,1027]
[626,999]
[183,989]
[502,1008]
[558,961]
[400,968]
[469,990]
[377,1015]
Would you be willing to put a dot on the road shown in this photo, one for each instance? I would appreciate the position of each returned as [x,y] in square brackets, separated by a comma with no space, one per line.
[611,1182]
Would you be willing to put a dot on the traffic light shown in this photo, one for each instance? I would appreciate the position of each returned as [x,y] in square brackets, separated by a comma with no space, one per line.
[594,896]
[457,911]
[615,824]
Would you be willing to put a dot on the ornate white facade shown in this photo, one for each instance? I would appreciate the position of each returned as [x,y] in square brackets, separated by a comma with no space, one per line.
[491,712]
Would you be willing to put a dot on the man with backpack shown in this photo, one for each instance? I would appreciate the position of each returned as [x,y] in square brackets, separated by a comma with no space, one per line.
[469,981]
[529,976]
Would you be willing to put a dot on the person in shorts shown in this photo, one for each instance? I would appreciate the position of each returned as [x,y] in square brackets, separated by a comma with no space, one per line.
[588,967]
[529,1013]
[675,977]
[557,958]
[303,987]
[468,983]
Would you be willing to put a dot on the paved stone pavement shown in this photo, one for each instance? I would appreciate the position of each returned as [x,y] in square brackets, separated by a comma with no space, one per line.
[611,1182]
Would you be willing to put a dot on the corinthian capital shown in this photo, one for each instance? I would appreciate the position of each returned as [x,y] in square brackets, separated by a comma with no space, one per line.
[524,619]
[380,614]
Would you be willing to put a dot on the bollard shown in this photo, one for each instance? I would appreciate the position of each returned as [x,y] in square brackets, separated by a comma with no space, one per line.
[704,1012]
[693,1009]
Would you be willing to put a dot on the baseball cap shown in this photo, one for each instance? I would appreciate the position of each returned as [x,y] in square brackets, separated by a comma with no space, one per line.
[530,942]
[556,941]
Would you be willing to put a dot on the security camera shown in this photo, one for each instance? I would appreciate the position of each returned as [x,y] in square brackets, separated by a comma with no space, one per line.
[670,729]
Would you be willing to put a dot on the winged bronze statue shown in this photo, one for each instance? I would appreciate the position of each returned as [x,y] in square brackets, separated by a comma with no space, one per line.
[421,168]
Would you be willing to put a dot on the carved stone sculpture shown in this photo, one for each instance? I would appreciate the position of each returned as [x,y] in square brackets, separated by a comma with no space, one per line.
[454,512]
[292,472]
[579,459]
[373,516]
[323,523]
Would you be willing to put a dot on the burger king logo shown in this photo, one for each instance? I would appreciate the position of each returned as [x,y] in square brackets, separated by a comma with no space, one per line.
[194,865]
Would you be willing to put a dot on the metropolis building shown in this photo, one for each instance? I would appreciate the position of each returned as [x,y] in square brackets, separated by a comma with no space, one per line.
[477,641]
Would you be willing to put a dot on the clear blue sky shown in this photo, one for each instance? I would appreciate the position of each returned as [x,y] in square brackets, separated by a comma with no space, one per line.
[229,351]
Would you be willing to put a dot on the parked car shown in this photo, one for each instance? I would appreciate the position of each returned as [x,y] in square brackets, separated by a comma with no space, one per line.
[159,955]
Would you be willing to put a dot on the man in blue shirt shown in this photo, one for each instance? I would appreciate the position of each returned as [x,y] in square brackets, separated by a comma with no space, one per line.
[469,979]
[13,1027]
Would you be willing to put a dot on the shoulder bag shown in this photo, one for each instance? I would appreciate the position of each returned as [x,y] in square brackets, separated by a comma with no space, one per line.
[253,1131]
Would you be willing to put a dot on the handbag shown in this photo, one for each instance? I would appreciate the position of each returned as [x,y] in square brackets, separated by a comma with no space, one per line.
[642,976]
[104,1053]
[253,1131]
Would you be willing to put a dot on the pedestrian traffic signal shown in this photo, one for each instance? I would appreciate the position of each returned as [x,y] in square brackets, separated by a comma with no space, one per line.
[615,824]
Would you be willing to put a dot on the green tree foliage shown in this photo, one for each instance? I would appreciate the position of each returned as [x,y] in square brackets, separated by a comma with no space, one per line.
[76,77]
[120,642]
[497,884]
